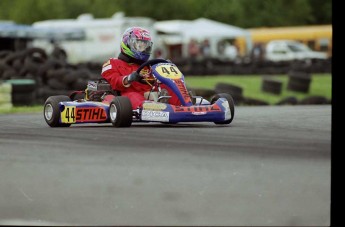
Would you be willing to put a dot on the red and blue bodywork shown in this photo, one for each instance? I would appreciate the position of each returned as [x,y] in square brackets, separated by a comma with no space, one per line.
[165,72]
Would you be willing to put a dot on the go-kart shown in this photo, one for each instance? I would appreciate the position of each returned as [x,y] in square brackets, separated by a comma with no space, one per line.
[101,104]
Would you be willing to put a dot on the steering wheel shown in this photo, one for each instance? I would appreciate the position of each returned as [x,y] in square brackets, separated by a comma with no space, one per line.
[151,62]
[147,63]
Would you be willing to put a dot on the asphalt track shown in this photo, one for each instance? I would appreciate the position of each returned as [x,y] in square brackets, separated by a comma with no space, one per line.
[270,166]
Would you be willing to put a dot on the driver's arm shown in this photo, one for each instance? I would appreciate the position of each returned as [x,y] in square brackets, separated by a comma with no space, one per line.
[118,76]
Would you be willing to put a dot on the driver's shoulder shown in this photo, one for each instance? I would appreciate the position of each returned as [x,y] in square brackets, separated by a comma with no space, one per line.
[114,61]
[120,62]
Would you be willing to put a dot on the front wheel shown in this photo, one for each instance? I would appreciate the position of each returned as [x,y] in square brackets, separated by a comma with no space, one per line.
[120,112]
[51,111]
[231,105]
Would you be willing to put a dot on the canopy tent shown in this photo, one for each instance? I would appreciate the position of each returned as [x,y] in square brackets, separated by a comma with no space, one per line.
[199,29]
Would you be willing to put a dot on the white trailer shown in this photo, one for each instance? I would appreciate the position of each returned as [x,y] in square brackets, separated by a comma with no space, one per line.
[102,36]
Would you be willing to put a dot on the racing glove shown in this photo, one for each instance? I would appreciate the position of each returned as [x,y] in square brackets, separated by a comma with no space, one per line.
[134,76]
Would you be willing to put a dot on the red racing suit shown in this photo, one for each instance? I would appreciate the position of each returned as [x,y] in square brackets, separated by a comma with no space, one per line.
[115,70]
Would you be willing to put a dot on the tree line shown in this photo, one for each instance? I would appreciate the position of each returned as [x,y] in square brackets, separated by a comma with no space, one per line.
[241,13]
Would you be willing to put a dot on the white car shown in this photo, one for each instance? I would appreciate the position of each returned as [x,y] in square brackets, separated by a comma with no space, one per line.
[289,50]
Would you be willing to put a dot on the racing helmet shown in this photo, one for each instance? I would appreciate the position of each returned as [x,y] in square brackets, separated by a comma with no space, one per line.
[136,43]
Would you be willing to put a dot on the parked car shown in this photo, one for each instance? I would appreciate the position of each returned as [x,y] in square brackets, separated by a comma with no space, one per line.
[290,50]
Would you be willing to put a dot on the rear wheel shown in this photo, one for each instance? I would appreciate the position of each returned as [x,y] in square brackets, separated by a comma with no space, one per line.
[51,110]
[120,112]
[231,105]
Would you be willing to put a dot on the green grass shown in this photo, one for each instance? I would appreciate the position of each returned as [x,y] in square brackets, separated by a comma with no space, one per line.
[321,85]
[23,109]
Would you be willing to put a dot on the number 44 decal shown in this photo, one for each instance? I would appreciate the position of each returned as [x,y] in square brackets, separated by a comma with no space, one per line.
[68,114]
[169,71]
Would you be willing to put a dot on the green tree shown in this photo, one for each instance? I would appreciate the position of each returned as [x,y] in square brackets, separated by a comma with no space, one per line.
[242,13]
[321,11]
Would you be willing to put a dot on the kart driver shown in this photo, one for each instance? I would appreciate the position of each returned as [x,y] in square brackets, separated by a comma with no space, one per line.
[136,47]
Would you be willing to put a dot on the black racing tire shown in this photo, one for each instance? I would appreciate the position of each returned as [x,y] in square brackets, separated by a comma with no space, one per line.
[51,111]
[120,112]
[231,105]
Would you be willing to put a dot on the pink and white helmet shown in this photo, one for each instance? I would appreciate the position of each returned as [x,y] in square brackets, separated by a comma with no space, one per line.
[136,43]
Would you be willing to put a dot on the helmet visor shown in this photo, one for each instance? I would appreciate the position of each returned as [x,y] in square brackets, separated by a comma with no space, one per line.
[140,45]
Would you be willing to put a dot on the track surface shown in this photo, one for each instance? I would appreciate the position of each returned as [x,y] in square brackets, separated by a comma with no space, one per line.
[270,166]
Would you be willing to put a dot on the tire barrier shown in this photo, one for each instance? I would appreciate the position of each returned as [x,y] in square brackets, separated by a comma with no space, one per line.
[288,101]
[5,96]
[246,66]
[299,81]
[23,91]
[271,86]
[314,100]
[235,91]
[254,102]
[51,74]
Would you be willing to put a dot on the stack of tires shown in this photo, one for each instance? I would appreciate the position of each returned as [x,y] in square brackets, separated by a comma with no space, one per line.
[5,96]
[299,81]
[272,86]
[23,91]
[48,74]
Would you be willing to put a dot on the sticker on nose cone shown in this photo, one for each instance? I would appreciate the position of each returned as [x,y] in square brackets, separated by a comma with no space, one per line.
[169,71]
[151,115]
